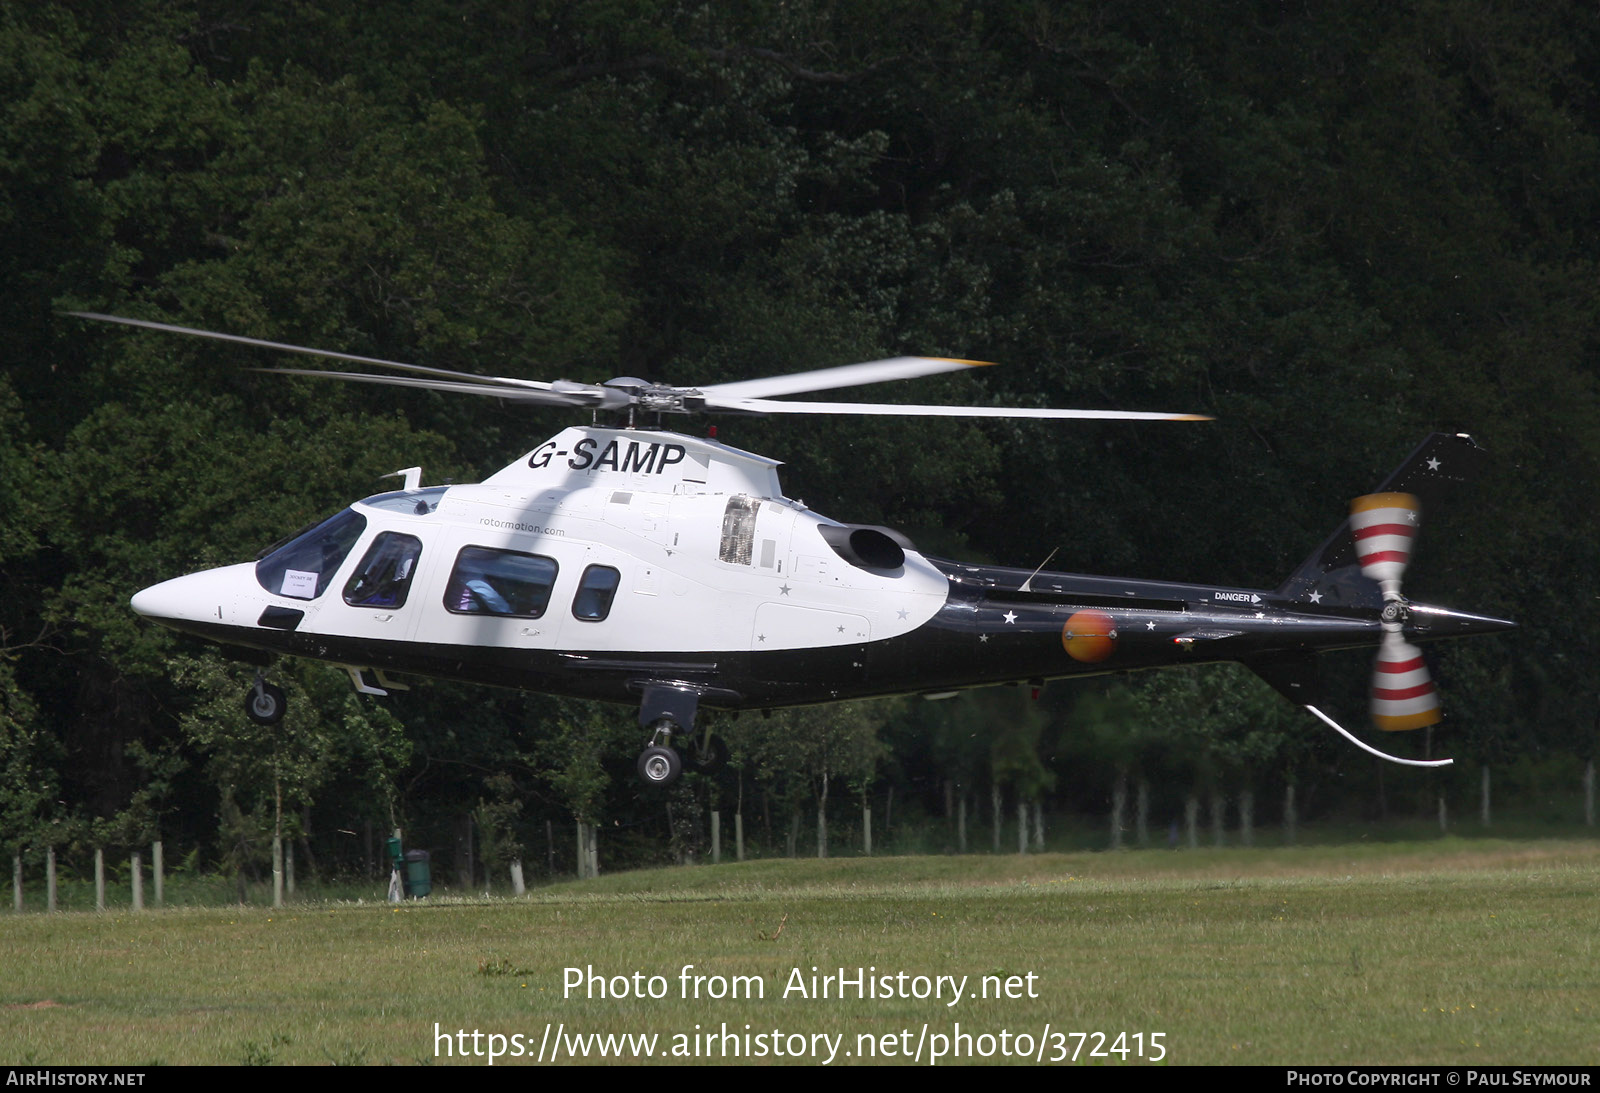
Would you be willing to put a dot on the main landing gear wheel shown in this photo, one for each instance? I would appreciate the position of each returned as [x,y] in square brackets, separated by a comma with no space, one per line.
[265,704]
[660,766]
[705,755]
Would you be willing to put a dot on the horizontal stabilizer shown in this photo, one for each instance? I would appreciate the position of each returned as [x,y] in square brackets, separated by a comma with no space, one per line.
[1293,675]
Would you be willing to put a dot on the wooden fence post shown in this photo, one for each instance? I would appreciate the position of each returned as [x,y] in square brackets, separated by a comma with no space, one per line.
[277,871]
[1588,793]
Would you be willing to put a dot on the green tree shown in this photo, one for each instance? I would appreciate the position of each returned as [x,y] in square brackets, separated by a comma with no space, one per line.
[267,775]
[798,753]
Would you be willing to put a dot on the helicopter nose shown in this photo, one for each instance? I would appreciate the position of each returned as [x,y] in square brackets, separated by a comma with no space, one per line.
[209,596]
[159,601]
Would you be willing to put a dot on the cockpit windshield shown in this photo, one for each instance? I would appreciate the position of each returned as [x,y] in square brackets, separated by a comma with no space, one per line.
[302,567]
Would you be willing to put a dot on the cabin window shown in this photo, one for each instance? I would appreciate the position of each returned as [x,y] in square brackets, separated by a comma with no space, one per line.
[303,566]
[596,590]
[486,581]
[384,575]
[738,529]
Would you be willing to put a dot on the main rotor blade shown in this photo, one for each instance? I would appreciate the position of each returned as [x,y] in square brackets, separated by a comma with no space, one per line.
[846,375]
[515,394]
[776,406]
[283,347]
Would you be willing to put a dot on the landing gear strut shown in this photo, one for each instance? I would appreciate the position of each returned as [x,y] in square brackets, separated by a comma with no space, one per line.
[263,703]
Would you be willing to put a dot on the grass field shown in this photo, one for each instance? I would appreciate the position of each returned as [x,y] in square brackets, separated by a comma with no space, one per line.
[1445,952]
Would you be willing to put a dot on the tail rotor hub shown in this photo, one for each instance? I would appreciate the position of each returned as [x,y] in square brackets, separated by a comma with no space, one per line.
[1396,612]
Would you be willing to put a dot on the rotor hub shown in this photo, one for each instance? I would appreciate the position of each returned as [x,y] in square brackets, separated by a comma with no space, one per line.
[658,398]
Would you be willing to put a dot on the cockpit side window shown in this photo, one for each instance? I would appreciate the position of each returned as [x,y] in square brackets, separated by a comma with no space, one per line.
[302,567]
[384,576]
[486,581]
[596,590]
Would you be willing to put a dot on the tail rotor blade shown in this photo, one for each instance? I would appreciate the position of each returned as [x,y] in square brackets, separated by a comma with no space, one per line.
[1403,695]
[1384,526]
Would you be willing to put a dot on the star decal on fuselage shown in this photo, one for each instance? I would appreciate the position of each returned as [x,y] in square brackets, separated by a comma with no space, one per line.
[1010,617]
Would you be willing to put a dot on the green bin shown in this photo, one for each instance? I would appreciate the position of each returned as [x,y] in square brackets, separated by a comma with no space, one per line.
[419,875]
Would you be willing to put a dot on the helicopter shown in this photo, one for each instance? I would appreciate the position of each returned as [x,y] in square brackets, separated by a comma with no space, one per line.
[635,564]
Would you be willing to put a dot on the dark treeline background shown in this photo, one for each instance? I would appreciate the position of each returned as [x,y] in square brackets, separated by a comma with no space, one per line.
[1337,227]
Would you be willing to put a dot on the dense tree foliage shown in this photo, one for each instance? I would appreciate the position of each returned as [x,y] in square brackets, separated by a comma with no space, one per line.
[1335,227]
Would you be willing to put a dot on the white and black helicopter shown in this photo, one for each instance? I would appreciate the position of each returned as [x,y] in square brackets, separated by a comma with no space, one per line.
[670,573]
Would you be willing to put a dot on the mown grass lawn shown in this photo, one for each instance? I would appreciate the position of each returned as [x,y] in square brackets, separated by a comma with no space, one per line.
[1449,952]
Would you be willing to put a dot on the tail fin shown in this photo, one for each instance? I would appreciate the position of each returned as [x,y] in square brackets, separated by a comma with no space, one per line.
[1332,574]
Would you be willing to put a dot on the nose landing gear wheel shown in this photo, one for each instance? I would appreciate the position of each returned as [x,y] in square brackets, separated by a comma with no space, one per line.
[659,766]
[265,704]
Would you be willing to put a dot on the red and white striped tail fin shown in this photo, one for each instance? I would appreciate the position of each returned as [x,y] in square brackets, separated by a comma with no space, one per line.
[1403,695]
[1384,526]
